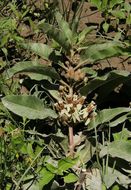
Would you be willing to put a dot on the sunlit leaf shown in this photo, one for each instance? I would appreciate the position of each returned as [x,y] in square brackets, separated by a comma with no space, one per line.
[118,148]
[70,178]
[106,115]
[83,34]
[105,50]
[105,26]
[32,67]
[122,135]
[45,177]
[27,106]
[93,179]
[112,3]
[65,164]
[119,14]
[40,49]
[96,3]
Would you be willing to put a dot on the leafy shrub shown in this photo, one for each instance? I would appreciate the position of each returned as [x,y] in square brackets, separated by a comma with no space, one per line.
[59,134]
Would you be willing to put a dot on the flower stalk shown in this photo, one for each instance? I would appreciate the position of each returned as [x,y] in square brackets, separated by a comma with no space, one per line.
[71,142]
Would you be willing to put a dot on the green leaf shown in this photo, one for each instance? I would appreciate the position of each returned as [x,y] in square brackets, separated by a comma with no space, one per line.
[89,71]
[64,26]
[56,34]
[96,3]
[65,164]
[85,153]
[84,32]
[114,2]
[32,67]
[101,51]
[93,180]
[105,26]
[70,178]
[115,187]
[45,177]
[127,7]
[40,49]
[120,120]
[112,175]
[123,135]
[28,106]
[119,148]
[109,178]
[51,168]
[107,115]
[106,83]
[104,4]
[119,14]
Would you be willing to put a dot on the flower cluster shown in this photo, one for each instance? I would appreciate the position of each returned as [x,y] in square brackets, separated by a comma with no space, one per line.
[73,109]
[77,75]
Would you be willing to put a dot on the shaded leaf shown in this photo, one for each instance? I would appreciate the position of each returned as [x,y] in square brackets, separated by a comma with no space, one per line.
[85,152]
[27,106]
[106,83]
[64,26]
[56,34]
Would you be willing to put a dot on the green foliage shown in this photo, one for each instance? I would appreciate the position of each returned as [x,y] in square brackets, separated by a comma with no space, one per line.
[29,107]
[61,124]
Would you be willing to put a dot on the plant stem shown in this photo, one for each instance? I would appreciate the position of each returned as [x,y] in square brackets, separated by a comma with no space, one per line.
[27,170]
[71,141]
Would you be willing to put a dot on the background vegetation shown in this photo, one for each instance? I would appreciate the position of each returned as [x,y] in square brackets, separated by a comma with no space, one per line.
[65,94]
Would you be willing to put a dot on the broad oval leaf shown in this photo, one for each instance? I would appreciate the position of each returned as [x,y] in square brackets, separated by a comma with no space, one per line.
[28,106]
[40,49]
[32,67]
[101,51]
